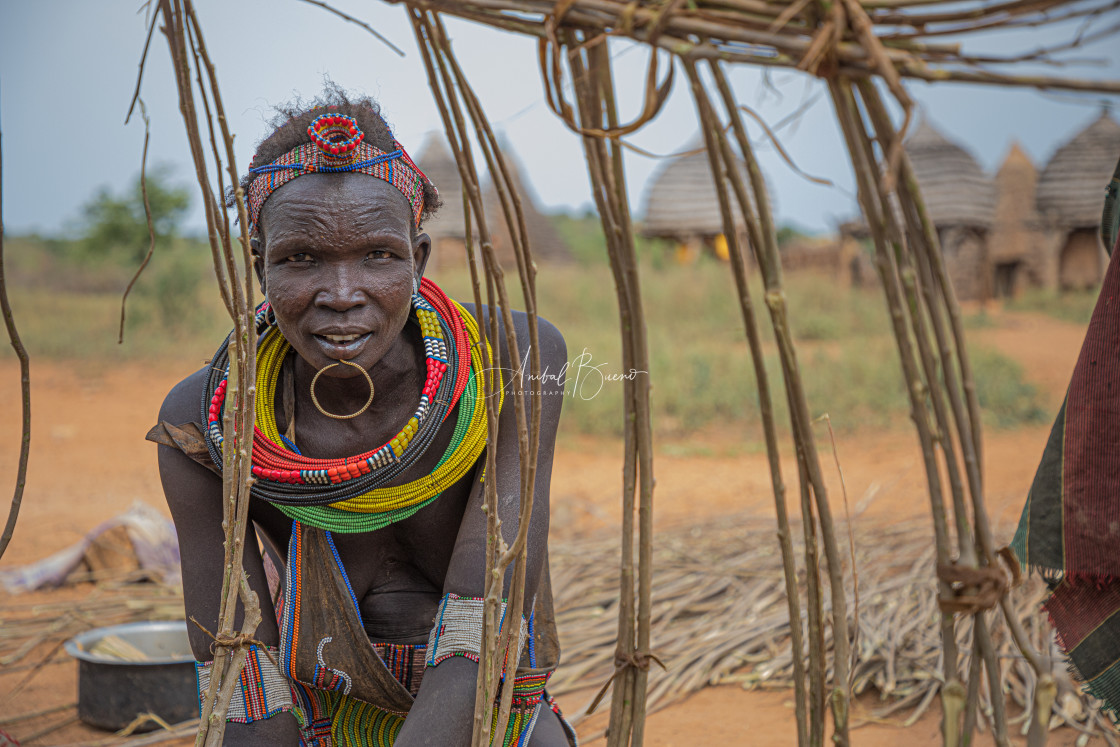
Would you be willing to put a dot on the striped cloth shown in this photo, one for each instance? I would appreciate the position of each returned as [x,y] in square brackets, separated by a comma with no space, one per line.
[1070,527]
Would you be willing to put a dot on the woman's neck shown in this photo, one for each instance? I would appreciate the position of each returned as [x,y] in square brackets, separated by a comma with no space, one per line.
[397,381]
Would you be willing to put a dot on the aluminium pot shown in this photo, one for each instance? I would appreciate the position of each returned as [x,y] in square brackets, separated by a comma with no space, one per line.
[113,692]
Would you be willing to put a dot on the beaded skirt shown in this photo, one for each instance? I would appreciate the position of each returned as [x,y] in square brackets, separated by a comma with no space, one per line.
[324,647]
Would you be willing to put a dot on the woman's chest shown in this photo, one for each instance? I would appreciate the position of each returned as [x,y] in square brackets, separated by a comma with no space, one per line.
[408,556]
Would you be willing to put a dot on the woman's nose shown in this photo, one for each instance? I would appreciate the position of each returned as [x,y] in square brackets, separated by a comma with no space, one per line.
[341,291]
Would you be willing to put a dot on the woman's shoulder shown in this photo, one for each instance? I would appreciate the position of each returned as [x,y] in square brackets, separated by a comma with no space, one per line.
[553,349]
[183,404]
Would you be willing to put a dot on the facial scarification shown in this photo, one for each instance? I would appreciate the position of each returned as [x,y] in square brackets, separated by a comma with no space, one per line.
[339,262]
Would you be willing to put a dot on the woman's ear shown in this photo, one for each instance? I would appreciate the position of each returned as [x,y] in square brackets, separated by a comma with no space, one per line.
[421,250]
[258,263]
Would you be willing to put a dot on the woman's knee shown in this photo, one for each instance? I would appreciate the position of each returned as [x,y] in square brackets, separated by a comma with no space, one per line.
[549,732]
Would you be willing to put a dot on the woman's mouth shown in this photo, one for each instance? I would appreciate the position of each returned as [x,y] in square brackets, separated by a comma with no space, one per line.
[341,347]
[341,339]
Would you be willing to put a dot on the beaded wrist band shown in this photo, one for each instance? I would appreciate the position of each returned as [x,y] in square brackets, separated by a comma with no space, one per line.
[262,692]
[458,630]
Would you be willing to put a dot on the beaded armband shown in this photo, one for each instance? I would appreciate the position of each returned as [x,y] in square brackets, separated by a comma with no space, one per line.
[262,692]
[458,629]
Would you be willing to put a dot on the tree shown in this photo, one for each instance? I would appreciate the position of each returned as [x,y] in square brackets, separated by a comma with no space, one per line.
[115,226]
[788,234]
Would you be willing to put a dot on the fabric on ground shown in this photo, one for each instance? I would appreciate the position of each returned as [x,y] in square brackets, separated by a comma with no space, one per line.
[153,541]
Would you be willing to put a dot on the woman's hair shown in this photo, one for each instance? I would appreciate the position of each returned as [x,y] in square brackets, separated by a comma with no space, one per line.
[292,120]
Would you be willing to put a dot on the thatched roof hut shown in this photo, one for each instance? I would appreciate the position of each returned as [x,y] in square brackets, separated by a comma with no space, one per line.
[446,228]
[1015,216]
[955,189]
[544,241]
[1071,187]
[437,163]
[681,201]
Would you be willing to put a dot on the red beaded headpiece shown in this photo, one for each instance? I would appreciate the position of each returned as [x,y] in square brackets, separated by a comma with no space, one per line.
[337,145]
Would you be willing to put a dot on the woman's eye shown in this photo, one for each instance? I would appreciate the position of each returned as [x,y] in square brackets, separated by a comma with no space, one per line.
[298,257]
[379,254]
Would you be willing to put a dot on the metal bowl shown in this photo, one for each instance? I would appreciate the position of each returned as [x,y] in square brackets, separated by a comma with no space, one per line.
[113,692]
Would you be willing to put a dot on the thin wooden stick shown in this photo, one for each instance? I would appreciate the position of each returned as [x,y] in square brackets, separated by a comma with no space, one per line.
[147,218]
[51,729]
[770,263]
[867,181]
[594,96]
[528,433]
[186,43]
[435,46]
[36,714]
[729,170]
[357,22]
[25,385]
[759,33]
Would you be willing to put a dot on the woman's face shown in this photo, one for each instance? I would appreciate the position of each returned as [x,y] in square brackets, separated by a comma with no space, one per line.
[338,260]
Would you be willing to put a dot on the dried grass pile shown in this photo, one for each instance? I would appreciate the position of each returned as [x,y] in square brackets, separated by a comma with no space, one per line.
[720,616]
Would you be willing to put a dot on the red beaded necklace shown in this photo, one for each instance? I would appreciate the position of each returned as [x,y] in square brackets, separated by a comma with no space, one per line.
[285,476]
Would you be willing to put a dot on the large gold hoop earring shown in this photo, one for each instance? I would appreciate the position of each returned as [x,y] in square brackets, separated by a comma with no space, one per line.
[319,407]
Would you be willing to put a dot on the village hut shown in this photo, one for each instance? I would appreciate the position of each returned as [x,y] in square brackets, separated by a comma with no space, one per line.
[1071,192]
[544,240]
[960,200]
[681,206]
[447,228]
[1013,243]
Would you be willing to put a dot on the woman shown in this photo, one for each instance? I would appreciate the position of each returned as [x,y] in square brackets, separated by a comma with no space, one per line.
[368,459]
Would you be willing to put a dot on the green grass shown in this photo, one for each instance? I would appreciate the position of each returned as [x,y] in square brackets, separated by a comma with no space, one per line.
[701,373]
[1006,397]
[69,310]
[1067,306]
[702,376]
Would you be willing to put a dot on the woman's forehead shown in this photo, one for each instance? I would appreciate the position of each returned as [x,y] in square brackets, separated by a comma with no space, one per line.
[333,202]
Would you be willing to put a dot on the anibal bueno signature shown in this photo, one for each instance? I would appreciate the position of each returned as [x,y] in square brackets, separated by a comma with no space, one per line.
[580,377]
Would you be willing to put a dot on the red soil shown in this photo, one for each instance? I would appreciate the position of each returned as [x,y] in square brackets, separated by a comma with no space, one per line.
[89,462]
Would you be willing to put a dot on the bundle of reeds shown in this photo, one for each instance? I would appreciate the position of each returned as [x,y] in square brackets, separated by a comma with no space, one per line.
[854,38]
[720,616]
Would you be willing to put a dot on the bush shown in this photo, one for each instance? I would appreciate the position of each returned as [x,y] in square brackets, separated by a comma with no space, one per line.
[115,228]
[67,310]
[1006,398]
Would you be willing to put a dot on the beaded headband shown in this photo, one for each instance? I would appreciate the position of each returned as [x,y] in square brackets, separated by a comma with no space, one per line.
[338,145]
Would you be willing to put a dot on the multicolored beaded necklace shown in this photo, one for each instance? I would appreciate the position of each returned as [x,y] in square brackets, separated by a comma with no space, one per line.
[350,494]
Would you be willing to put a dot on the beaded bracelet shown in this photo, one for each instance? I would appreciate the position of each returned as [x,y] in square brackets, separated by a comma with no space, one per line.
[458,629]
[262,692]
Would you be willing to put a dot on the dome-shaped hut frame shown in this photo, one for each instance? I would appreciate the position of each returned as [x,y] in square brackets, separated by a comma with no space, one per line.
[849,48]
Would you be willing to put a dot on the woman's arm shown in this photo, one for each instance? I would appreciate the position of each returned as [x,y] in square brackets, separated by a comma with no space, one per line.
[194,495]
[443,710]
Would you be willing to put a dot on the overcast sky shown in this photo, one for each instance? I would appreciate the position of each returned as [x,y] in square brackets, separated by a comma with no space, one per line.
[67,70]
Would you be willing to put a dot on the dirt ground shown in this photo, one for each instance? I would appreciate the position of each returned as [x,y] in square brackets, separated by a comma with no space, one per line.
[89,462]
